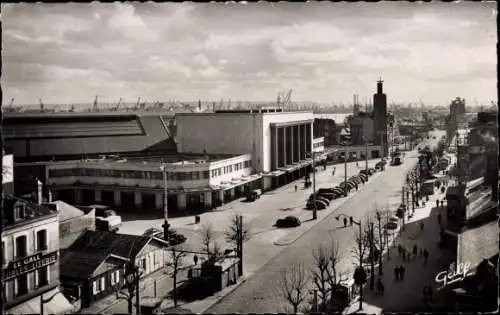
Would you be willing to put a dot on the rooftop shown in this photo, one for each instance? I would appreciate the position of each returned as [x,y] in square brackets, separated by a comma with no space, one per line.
[173,159]
[123,245]
[32,211]
[79,265]
[40,135]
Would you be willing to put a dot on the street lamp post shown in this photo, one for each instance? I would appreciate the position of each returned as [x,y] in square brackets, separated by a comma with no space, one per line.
[366,156]
[315,209]
[345,167]
[47,300]
[360,248]
[165,204]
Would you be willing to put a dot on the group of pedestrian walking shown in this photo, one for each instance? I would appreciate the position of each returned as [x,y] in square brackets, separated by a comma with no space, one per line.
[406,255]
[399,273]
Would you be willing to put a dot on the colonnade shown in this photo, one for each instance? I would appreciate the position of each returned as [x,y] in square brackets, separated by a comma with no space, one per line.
[290,144]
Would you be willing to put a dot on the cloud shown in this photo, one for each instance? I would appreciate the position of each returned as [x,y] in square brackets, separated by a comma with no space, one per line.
[323,51]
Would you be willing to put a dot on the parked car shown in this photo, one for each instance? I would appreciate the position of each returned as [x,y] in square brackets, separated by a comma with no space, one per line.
[288,222]
[254,195]
[320,205]
[174,238]
[106,219]
[325,190]
[323,199]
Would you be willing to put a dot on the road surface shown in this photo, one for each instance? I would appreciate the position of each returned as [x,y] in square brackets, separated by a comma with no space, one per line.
[259,294]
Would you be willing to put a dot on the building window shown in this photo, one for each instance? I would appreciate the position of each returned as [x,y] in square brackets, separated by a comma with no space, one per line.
[43,276]
[220,171]
[115,277]
[205,174]
[21,246]
[20,211]
[21,284]
[4,253]
[41,240]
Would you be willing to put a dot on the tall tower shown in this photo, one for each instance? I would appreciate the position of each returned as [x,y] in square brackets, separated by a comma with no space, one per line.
[380,117]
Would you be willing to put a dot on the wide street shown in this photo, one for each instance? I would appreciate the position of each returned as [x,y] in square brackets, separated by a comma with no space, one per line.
[260,292]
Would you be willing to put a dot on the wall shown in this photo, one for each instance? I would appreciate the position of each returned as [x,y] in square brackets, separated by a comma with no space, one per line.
[233,133]
[71,229]
[30,230]
[269,118]
[234,174]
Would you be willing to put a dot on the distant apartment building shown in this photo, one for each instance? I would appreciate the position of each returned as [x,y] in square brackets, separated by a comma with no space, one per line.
[329,129]
[362,128]
[30,257]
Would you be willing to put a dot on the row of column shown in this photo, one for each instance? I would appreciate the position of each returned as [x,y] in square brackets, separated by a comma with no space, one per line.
[290,144]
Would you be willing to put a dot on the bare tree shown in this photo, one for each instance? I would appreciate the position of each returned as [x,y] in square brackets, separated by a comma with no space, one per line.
[380,240]
[174,264]
[237,234]
[324,270]
[207,237]
[293,285]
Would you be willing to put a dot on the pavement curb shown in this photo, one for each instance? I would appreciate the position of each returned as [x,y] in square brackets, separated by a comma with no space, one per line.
[229,291]
[293,239]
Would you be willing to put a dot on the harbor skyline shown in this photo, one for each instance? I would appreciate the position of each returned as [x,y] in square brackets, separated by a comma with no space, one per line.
[323,52]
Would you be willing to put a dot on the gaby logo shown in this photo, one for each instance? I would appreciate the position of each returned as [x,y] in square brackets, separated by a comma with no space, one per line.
[453,274]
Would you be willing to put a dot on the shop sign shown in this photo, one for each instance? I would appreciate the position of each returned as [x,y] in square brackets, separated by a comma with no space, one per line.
[453,274]
[28,264]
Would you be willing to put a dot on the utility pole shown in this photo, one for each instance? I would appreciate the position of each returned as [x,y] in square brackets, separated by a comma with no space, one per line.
[345,167]
[165,204]
[315,211]
[366,157]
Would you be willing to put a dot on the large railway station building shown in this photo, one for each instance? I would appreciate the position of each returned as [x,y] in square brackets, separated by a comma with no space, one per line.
[129,160]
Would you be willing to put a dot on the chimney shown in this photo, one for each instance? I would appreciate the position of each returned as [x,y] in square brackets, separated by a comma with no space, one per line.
[50,196]
[39,196]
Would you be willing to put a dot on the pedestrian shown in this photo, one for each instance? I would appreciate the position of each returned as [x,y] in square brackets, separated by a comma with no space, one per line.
[421,226]
[442,203]
[439,219]
[396,273]
[437,203]
[345,222]
[351,221]
[379,286]
[415,251]
[295,188]
[402,275]
[400,250]
[403,254]
[426,255]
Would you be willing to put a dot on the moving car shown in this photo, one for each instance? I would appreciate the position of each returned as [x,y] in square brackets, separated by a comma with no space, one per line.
[288,222]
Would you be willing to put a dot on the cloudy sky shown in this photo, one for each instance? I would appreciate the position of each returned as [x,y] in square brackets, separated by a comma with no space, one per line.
[325,52]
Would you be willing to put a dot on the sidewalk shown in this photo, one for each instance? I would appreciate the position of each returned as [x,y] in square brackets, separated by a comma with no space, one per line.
[406,296]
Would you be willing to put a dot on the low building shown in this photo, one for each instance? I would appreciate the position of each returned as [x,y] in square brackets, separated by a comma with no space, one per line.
[30,257]
[193,182]
[93,266]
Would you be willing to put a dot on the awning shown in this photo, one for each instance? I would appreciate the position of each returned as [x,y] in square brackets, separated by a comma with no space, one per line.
[58,305]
